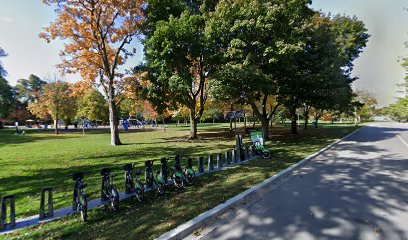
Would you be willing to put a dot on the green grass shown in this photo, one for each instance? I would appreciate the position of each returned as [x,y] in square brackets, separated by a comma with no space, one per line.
[43,160]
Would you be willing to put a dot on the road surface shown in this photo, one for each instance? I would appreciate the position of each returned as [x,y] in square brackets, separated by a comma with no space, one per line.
[357,189]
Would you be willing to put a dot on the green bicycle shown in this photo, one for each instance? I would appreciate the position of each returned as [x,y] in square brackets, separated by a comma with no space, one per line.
[154,181]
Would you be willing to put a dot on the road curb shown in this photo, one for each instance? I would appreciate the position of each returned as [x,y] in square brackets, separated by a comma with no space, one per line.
[201,220]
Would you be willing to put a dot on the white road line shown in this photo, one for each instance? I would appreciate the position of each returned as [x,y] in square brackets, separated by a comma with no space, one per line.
[402,140]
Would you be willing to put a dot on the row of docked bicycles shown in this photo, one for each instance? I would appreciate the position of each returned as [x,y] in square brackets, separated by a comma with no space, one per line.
[158,180]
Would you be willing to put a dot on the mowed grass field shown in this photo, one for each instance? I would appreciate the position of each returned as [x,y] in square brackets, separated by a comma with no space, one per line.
[38,160]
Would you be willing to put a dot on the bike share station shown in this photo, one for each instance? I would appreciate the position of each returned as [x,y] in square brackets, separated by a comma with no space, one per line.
[158,180]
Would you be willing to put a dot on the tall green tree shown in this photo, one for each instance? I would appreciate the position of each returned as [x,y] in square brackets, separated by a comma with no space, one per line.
[56,101]
[178,55]
[320,75]
[257,39]
[3,71]
[6,93]
[28,90]
[92,105]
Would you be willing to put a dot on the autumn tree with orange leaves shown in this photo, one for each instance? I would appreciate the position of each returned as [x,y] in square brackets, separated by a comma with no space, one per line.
[97,34]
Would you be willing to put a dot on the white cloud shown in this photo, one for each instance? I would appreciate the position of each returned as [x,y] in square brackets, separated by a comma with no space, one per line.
[7,19]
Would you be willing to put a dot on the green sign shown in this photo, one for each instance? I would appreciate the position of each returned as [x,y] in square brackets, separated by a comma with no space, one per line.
[257,136]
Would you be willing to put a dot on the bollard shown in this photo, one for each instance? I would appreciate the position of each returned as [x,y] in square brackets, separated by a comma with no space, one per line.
[200,164]
[251,152]
[227,158]
[210,163]
[50,212]
[149,173]
[3,217]
[246,153]
[219,161]
[238,148]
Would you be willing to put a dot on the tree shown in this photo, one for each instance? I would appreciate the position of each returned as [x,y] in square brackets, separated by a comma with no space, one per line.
[92,106]
[399,110]
[3,71]
[367,105]
[320,75]
[179,58]
[257,39]
[28,90]
[6,98]
[98,32]
[55,101]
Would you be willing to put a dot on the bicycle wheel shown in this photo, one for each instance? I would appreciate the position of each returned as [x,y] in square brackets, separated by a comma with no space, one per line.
[178,182]
[266,155]
[139,192]
[161,188]
[115,199]
[83,207]
[190,176]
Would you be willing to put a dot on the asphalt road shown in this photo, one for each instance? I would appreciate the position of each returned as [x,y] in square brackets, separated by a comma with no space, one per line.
[357,189]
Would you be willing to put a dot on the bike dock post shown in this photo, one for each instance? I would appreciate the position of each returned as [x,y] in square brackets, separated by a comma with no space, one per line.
[128,169]
[233,158]
[246,153]
[227,158]
[238,147]
[149,174]
[50,209]
[210,163]
[251,152]
[190,163]
[3,217]
[219,161]
[200,164]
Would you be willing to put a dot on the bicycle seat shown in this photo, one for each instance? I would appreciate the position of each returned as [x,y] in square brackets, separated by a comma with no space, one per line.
[137,172]
[105,171]
[77,176]
[82,186]
[128,167]
[158,172]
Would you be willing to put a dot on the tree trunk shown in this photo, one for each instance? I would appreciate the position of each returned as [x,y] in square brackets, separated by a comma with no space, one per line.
[56,126]
[113,123]
[265,129]
[193,127]
[293,118]
[306,118]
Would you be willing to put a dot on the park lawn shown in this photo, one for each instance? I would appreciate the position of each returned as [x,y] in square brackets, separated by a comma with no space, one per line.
[157,214]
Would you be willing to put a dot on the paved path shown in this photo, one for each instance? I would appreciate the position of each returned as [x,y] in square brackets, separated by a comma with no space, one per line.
[357,189]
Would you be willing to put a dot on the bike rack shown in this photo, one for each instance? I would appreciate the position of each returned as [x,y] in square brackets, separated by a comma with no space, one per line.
[219,161]
[227,158]
[164,168]
[234,156]
[238,147]
[200,164]
[149,172]
[128,169]
[190,163]
[246,153]
[3,217]
[210,163]
[50,212]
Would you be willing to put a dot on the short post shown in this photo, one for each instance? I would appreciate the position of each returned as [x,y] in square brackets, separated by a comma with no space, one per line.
[3,217]
[219,161]
[227,158]
[210,163]
[233,158]
[246,153]
[50,209]
[200,164]
[251,152]
[238,147]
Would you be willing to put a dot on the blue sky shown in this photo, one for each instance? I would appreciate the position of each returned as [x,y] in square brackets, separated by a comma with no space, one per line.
[378,67]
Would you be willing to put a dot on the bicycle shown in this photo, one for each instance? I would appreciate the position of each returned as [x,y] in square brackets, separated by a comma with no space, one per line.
[261,150]
[154,180]
[108,191]
[189,172]
[79,201]
[132,184]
